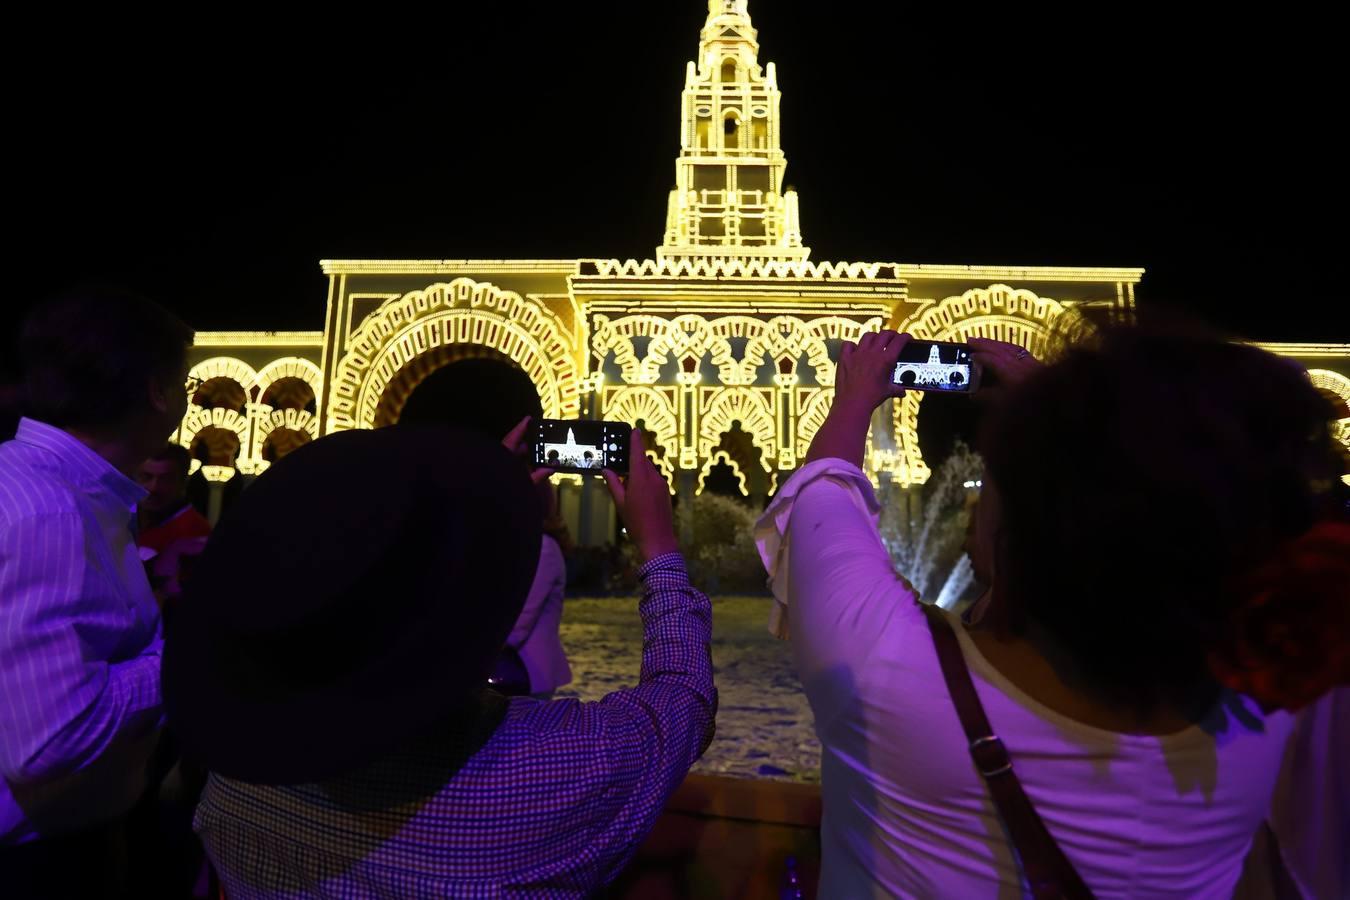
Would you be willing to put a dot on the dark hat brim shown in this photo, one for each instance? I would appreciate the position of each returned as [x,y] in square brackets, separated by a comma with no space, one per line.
[356,595]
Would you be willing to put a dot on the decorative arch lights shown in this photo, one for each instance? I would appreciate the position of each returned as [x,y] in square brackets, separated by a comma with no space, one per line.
[721,457]
[998,312]
[753,410]
[461,311]
[199,420]
[289,369]
[652,406]
[243,414]
[1336,385]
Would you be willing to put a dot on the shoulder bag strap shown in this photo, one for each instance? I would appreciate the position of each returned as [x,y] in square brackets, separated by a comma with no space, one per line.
[1048,871]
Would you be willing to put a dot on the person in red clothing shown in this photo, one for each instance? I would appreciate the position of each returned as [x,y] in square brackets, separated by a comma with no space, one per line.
[170,531]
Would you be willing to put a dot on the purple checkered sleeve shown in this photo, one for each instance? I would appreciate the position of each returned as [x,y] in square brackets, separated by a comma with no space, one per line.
[552,805]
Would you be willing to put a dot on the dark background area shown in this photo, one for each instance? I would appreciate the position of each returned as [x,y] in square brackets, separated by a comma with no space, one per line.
[212,162]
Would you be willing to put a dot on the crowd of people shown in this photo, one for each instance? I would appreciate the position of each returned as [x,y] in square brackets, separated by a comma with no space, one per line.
[1147,699]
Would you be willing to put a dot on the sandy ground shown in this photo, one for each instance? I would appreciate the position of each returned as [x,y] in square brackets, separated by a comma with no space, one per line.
[764,726]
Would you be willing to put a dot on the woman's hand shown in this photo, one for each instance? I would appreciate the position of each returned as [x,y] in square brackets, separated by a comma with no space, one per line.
[516,443]
[1010,363]
[643,502]
[862,381]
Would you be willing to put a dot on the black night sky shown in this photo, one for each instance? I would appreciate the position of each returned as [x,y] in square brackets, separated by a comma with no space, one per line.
[212,162]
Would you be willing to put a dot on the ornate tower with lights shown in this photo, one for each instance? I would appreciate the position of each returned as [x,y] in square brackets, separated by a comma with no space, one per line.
[729,199]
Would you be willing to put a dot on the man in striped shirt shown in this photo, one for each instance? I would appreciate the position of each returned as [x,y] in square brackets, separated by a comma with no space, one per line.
[80,635]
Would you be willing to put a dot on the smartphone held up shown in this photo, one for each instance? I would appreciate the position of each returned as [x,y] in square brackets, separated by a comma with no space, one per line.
[937,366]
[580,445]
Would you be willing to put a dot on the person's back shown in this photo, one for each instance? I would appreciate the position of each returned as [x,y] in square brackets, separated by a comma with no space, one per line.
[1151,779]
[907,815]
[553,802]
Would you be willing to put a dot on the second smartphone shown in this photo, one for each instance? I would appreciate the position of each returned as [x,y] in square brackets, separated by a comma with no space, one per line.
[580,445]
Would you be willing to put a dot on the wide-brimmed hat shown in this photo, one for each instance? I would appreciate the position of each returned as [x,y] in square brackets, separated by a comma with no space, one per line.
[354,596]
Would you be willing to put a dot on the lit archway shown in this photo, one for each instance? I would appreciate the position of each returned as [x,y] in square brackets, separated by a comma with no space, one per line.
[722,458]
[652,409]
[280,442]
[291,428]
[279,382]
[1334,384]
[811,416]
[419,369]
[226,367]
[753,410]
[216,452]
[213,425]
[462,311]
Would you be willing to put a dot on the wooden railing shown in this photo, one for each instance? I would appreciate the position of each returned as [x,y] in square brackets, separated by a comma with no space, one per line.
[727,838]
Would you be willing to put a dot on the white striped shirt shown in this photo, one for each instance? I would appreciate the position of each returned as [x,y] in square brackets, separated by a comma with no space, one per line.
[79,639]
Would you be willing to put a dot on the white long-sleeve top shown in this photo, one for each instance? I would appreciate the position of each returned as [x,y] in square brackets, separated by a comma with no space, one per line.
[535,635]
[904,812]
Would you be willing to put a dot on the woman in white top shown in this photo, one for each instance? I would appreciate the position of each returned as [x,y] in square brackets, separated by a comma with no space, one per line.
[1126,485]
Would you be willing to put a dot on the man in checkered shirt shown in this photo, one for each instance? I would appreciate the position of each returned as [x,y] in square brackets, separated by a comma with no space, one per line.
[353,750]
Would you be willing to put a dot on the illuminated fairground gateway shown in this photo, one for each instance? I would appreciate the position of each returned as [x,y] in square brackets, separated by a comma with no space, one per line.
[720,347]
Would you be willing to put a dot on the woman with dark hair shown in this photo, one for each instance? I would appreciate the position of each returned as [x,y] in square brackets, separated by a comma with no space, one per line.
[1166,560]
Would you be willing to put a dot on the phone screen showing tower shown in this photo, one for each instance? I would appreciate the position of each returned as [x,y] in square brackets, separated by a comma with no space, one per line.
[936,366]
[581,445]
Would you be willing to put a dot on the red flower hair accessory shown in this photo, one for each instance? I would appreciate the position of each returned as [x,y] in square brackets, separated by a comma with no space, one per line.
[1289,641]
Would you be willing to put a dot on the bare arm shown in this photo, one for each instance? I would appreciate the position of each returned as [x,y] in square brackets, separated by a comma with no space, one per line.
[862,381]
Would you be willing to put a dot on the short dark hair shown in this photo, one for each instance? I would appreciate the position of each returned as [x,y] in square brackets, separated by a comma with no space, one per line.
[87,355]
[176,454]
[1140,477]
[485,395]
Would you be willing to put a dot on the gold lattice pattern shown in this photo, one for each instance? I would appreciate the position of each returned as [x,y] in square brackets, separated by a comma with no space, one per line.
[687,340]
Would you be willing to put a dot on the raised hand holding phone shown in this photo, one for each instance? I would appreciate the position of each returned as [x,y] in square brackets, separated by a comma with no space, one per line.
[1010,363]
[643,502]
[516,443]
[862,381]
